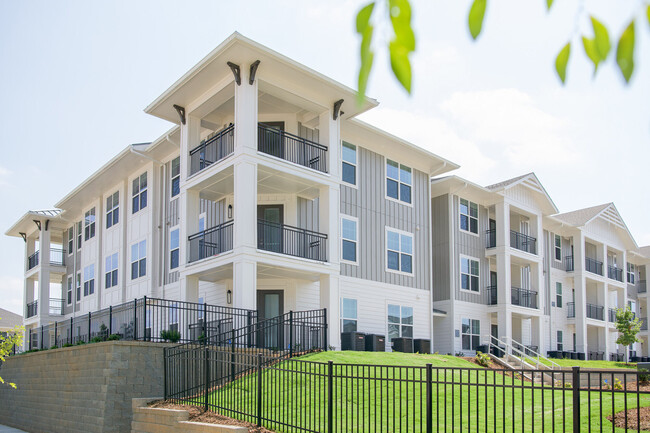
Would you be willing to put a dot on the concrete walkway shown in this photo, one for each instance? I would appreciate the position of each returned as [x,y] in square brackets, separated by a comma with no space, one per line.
[5,429]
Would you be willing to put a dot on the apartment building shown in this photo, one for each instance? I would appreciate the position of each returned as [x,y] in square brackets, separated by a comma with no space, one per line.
[266,194]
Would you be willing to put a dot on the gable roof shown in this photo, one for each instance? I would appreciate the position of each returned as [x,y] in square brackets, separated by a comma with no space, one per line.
[531,182]
[506,183]
[607,211]
[8,319]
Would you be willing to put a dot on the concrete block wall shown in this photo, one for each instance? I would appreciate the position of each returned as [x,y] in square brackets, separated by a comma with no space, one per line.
[156,420]
[82,389]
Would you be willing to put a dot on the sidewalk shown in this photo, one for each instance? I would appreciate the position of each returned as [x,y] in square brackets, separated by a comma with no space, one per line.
[5,429]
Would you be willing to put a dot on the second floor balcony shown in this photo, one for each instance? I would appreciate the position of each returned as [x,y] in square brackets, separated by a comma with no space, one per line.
[611,315]
[641,287]
[490,238]
[568,264]
[291,241]
[57,258]
[211,242]
[523,242]
[644,324]
[523,297]
[615,273]
[492,295]
[55,308]
[570,310]
[596,312]
[593,266]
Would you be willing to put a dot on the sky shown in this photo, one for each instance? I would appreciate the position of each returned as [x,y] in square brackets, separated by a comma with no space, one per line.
[75,77]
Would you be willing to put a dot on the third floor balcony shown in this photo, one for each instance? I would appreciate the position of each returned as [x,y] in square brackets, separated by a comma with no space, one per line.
[523,297]
[594,266]
[57,258]
[523,242]
[615,273]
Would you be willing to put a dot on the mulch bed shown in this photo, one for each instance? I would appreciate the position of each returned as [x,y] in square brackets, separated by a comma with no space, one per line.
[199,415]
[619,419]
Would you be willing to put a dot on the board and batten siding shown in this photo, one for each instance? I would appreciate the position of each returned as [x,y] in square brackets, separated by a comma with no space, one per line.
[550,252]
[470,245]
[440,242]
[307,217]
[375,213]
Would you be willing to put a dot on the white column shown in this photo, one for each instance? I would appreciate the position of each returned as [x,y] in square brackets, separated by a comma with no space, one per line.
[330,136]
[580,286]
[44,275]
[330,299]
[245,206]
[537,334]
[190,138]
[245,284]
[190,208]
[328,220]
[502,215]
[504,319]
[245,114]
[504,286]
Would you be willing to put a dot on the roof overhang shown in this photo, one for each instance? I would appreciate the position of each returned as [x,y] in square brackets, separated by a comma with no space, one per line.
[531,182]
[459,186]
[27,225]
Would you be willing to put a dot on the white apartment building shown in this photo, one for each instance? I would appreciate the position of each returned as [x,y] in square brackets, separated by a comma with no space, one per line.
[266,194]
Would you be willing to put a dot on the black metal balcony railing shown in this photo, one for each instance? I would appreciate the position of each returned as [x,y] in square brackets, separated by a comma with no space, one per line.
[490,238]
[32,309]
[568,264]
[211,242]
[56,307]
[292,241]
[641,287]
[291,148]
[644,324]
[614,273]
[593,266]
[57,258]
[611,315]
[523,297]
[492,295]
[595,312]
[212,150]
[32,261]
[570,310]
[523,242]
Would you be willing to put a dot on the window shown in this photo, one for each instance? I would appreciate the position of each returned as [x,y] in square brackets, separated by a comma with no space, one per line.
[71,240]
[558,294]
[202,222]
[140,192]
[111,271]
[349,168]
[139,259]
[173,317]
[631,273]
[348,315]
[201,302]
[560,344]
[399,251]
[398,181]
[89,280]
[558,248]
[400,322]
[469,274]
[349,239]
[471,334]
[176,176]
[79,234]
[173,246]
[78,286]
[112,209]
[69,290]
[468,216]
[89,224]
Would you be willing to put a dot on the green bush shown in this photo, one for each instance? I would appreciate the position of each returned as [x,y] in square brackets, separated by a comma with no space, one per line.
[114,337]
[482,359]
[68,345]
[80,342]
[643,375]
[97,339]
[460,354]
[172,336]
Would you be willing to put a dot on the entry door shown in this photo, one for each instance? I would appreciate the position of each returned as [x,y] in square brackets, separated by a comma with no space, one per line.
[269,234]
[494,332]
[492,227]
[493,288]
[271,138]
[270,305]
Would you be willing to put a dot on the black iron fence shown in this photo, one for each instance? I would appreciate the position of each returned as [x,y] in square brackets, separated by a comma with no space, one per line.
[147,319]
[523,242]
[523,297]
[32,309]
[212,150]
[291,395]
[32,261]
[614,273]
[490,238]
[290,147]
[292,241]
[594,266]
[211,242]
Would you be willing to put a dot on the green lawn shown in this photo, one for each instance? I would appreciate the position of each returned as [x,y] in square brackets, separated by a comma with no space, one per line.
[605,365]
[372,392]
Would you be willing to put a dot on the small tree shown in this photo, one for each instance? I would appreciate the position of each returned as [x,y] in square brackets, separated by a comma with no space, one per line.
[7,342]
[628,326]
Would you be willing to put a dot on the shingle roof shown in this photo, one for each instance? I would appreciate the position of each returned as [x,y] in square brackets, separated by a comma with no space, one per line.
[645,250]
[505,183]
[9,320]
[581,217]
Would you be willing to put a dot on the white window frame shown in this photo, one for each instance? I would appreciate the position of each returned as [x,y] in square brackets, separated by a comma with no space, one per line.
[114,211]
[69,290]
[558,285]
[556,248]
[412,253]
[399,182]
[71,240]
[469,217]
[356,313]
[174,177]
[112,265]
[178,247]
[631,272]
[356,241]
[461,273]
[471,333]
[90,282]
[90,218]
[80,234]
[559,340]
[141,191]
[78,287]
[355,165]
[139,259]
[400,324]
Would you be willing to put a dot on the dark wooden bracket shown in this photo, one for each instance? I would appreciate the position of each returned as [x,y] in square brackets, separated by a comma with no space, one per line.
[181,112]
[236,72]
[23,235]
[38,224]
[254,66]
[337,109]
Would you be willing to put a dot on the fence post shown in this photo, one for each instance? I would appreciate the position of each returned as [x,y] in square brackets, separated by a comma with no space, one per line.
[144,319]
[165,373]
[249,343]
[325,337]
[89,327]
[429,398]
[56,328]
[232,355]
[330,396]
[259,389]
[71,331]
[135,319]
[576,399]
[110,320]
[206,366]
[205,322]
[41,337]
[291,334]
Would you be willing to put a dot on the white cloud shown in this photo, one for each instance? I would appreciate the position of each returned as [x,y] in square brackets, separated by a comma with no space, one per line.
[11,294]
[5,174]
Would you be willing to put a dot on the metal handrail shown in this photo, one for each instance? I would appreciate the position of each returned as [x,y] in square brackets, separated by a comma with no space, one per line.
[510,348]
[594,266]
[568,263]
[571,310]
[614,273]
[523,242]
[292,241]
[492,295]
[523,297]
[211,242]
[490,238]
[293,148]
[595,311]
[212,150]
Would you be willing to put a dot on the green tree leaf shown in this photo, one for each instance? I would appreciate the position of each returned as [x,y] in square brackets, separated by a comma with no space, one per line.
[476,15]
[399,62]
[591,51]
[625,52]
[403,43]
[601,37]
[367,56]
[549,3]
[561,62]
[363,17]
[648,13]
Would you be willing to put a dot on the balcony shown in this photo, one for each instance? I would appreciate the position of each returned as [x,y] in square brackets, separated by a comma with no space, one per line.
[211,242]
[292,241]
[596,312]
[490,238]
[614,273]
[492,295]
[523,297]
[570,310]
[212,150]
[568,264]
[641,287]
[644,324]
[523,242]
[57,258]
[55,308]
[611,316]
[292,148]
[593,266]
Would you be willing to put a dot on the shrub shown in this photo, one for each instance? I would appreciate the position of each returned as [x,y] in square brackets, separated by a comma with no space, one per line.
[114,337]
[97,339]
[460,354]
[172,336]
[617,384]
[80,343]
[643,375]
[67,345]
[482,359]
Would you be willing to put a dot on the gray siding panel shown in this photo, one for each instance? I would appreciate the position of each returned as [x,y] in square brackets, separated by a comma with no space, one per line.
[440,237]
[308,214]
[376,213]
